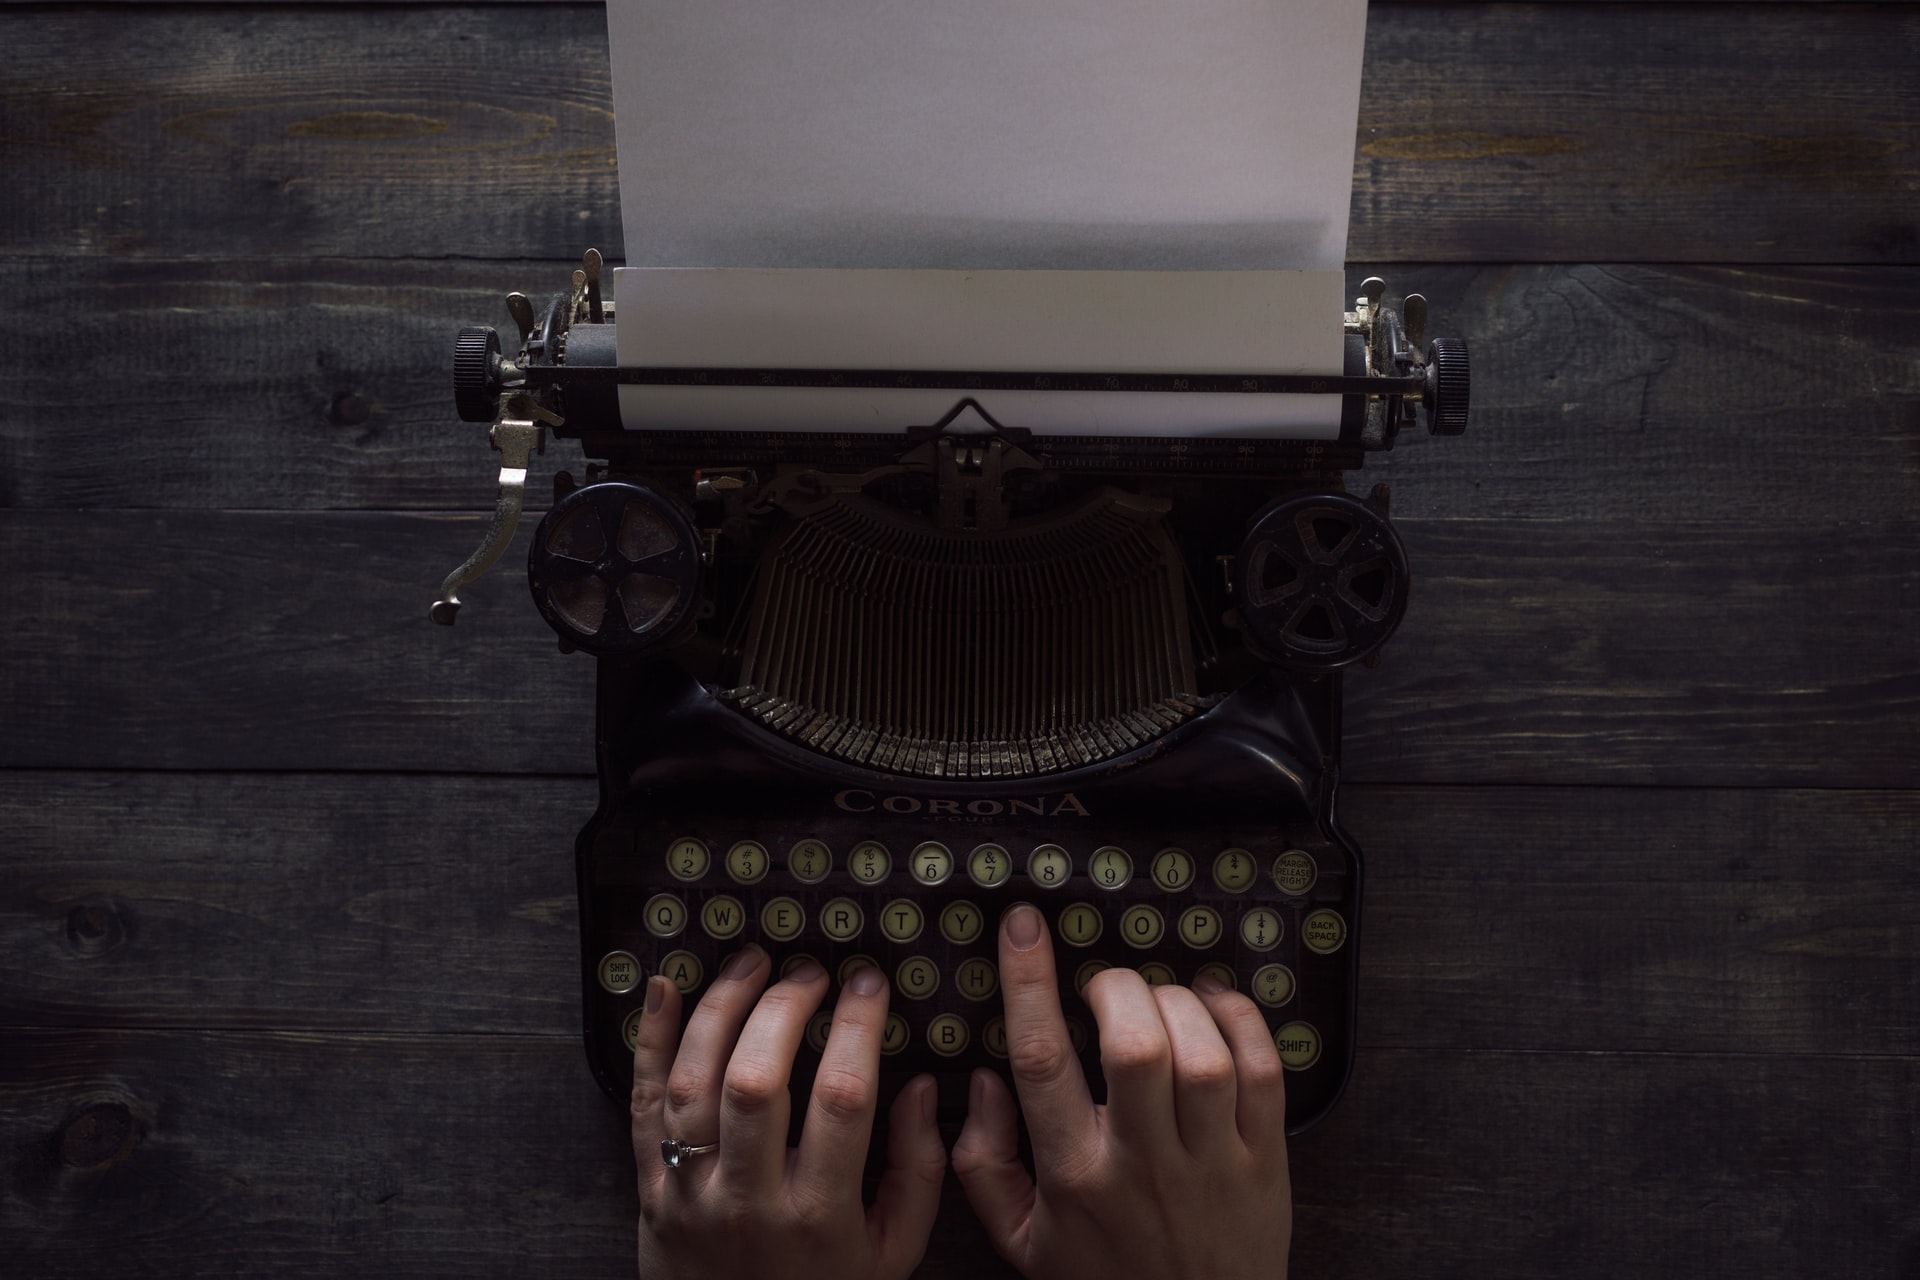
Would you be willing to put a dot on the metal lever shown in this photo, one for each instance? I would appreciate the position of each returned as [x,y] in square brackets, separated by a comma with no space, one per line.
[517,434]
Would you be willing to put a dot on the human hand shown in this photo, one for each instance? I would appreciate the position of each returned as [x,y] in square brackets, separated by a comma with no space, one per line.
[755,1210]
[1182,1175]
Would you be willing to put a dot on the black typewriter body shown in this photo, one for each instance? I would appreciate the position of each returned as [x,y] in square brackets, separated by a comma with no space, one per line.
[857,695]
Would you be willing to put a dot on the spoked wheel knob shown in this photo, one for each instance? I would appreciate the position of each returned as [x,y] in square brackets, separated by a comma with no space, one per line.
[615,568]
[1322,581]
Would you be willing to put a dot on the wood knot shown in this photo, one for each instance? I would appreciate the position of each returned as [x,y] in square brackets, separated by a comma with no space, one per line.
[103,1134]
[95,928]
[349,410]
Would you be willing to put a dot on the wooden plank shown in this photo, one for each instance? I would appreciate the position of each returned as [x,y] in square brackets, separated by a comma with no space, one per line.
[1649,652]
[189,1153]
[1688,392]
[1504,919]
[1487,133]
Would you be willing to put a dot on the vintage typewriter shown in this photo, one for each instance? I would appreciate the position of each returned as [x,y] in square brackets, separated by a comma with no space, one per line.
[860,691]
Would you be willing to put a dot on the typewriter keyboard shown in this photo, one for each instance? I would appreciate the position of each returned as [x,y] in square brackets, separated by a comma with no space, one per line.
[1269,915]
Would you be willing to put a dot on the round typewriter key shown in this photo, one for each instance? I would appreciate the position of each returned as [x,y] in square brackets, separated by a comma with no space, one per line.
[782,919]
[901,921]
[869,862]
[809,861]
[1077,1035]
[630,1030]
[1299,1045]
[977,978]
[817,1028]
[1261,928]
[665,914]
[1157,974]
[1110,868]
[947,1035]
[747,862]
[854,964]
[1294,872]
[619,972]
[1049,866]
[1220,974]
[994,1037]
[961,922]
[1323,931]
[917,977]
[894,1036]
[1234,870]
[722,916]
[841,919]
[1273,985]
[1173,869]
[687,859]
[1200,927]
[1141,925]
[989,865]
[1084,974]
[682,968]
[1080,923]
[794,961]
[931,863]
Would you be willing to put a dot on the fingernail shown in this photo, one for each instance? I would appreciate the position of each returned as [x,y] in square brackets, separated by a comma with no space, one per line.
[976,1091]
[741,963]
[808,972]
[1208,985]
[656,994]
[928,1093]
[867,980]
[1023,927]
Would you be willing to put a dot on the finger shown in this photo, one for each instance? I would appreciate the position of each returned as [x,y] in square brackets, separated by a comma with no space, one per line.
[987,1162]
[1136,1059]
[653,1054]
[1203,1083]
[754,1103]
[693,1085]
[1260,1103]
[1053,1089]
[833,1142]
[903,1210]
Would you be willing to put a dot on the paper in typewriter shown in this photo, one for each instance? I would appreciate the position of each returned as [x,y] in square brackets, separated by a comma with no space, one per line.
[941,180]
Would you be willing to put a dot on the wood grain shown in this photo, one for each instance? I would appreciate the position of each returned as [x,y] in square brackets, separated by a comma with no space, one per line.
[1651,652]
[1758,394]
[1509,919]
[185,1153]
[1487,133]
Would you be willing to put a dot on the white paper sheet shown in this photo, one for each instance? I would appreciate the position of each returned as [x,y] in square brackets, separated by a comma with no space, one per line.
[1104,135]
[1115,322]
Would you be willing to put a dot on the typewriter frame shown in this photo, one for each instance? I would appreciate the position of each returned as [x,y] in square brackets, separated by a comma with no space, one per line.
[564,376]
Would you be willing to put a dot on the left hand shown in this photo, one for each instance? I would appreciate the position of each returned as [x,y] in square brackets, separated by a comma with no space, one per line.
[754,1209]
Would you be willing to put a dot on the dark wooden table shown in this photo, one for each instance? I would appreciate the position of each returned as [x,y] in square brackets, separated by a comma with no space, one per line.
[287,933]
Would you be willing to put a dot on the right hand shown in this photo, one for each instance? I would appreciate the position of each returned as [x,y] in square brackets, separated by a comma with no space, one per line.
[1182,1175]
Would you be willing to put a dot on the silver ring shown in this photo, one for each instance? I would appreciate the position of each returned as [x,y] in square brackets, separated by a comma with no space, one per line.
[673,1152]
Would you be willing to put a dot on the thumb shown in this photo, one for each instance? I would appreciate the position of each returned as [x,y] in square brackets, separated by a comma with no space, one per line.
[903,1210]
[987,1159]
